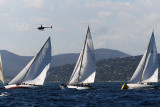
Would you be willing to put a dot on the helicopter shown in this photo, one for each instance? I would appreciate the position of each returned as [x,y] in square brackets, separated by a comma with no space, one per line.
[42,28]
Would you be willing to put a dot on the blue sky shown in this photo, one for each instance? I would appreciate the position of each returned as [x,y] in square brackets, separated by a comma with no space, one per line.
[115,24]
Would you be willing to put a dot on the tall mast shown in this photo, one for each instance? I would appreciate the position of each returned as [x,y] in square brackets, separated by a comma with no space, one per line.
[34,59]
[146,57]
[83,53]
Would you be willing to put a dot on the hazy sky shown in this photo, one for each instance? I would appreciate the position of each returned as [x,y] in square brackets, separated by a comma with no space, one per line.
[124,25]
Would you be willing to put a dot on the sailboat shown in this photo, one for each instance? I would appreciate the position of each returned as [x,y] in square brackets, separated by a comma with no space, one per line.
[146,74]
[34,74]
[1,72]
[85,70]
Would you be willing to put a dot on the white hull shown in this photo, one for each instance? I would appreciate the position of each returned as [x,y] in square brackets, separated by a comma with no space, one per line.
[71,86]
[82,88]
[137,86]
[78,87]
[20,86]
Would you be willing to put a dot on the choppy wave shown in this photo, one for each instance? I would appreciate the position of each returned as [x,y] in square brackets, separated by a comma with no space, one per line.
[102,95]
[4,94]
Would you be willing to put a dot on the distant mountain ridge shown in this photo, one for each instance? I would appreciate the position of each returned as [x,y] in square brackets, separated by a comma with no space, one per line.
[13,63]
[100,54]
[110,70]
[116,69]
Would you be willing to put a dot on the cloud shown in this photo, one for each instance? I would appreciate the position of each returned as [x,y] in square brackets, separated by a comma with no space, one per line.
[7,16]
[99,26]
[4,15]
[22,27]
[59,28]
[127,27]
[100,4]
[40,20]
[95,4]
[80,25]
[96,25]
[115,24]
[104,14]
[34,3]
[2,2]
[123,25]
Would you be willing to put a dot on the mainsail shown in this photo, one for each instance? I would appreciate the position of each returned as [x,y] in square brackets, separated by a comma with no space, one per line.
[147,70]
[1,71]
[85,69]
[36,69]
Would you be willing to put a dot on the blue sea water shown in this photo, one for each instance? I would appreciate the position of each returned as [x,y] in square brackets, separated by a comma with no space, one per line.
[101,95]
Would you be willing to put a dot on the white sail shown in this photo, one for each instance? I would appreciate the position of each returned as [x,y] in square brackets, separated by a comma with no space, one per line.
[147,70]
[35,71]
[39,66]
[1,71]
[150,73]
[85,69]
[87,74]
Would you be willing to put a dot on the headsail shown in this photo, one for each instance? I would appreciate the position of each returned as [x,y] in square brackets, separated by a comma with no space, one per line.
[147,70]
[137,74]
[35,71]
[1,71]
[75,73]
[85,69]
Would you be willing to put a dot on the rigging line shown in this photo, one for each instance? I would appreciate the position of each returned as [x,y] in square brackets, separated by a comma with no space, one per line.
[88,31]
[146,57]
[34,59]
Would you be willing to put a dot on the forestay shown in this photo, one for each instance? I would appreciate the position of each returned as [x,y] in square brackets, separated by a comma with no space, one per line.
[85,69]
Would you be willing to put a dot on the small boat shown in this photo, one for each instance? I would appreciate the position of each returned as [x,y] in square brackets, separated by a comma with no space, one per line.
[85,70]
[34,74]
[1,72]
[146,74]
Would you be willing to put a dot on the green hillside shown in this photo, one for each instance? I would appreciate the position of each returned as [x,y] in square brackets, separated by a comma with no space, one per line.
[117,69]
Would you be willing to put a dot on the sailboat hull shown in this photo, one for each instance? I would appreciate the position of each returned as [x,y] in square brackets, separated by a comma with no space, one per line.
[71,86]
[139,86]
[21,86]
[82,88]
